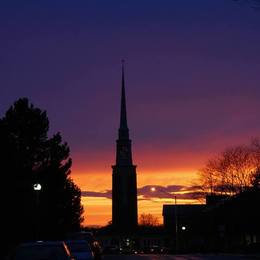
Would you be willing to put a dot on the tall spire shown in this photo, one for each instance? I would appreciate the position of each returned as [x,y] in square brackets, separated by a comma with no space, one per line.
[123,130]
[124,187]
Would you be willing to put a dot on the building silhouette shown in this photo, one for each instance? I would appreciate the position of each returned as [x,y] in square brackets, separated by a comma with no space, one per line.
[124,190]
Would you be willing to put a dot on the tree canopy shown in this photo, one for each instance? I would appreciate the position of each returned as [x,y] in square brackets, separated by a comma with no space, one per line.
[232,171]
[148,220]
[28,156]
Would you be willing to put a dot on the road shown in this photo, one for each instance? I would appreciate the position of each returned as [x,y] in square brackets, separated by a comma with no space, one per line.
[179,257]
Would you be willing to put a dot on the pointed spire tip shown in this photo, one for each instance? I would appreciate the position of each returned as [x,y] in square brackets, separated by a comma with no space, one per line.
[123,117]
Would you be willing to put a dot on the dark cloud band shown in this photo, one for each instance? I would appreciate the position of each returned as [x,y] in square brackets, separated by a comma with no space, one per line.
[160,192]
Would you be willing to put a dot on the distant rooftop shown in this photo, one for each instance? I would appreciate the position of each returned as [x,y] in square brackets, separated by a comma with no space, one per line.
[182,209]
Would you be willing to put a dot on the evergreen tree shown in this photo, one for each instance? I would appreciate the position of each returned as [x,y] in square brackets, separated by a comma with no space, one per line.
[28,156]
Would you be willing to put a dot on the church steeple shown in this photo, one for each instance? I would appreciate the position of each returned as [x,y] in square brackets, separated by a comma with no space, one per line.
[123,129]
[124,153]
[124,187]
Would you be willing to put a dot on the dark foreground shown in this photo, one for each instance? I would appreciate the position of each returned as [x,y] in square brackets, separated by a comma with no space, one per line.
[180,257]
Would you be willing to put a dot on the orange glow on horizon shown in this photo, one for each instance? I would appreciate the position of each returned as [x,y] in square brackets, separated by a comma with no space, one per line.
[161,166]
[92,172]
[98,210]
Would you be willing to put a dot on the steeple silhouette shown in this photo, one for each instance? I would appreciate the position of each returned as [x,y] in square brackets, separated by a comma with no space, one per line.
[123,130]
[124,188]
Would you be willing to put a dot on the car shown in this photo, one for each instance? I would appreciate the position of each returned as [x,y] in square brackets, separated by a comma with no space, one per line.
[47,250]
[81,235]
[80,249]
[89,238]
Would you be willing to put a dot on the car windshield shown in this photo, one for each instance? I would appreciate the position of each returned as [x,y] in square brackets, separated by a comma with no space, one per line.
[41,253]
[78,247]
[81,236]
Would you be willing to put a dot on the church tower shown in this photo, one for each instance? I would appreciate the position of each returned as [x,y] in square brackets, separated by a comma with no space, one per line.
[124,191]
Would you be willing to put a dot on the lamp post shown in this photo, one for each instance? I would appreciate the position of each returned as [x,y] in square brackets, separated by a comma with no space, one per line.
[176,225]
[153,189]
[37,188]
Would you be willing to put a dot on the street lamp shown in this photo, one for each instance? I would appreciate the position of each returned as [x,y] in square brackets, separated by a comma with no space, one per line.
[37,188]
[153,189]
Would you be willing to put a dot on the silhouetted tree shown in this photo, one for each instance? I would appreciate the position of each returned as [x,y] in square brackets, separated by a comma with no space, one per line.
[28,156]
[148,220]
[256,179]
[231,171]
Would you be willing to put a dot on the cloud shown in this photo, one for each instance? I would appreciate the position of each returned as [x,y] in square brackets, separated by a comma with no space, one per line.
[192,188]
[160,192]
[191,195]
[105,194]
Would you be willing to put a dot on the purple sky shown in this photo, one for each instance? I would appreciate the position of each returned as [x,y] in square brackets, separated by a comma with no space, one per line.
[192,71]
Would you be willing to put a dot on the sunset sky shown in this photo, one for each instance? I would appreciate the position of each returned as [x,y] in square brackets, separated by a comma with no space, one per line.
[192,85]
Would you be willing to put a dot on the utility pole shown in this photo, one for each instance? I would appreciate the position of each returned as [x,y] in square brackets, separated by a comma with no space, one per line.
[176,225]
[37,188]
